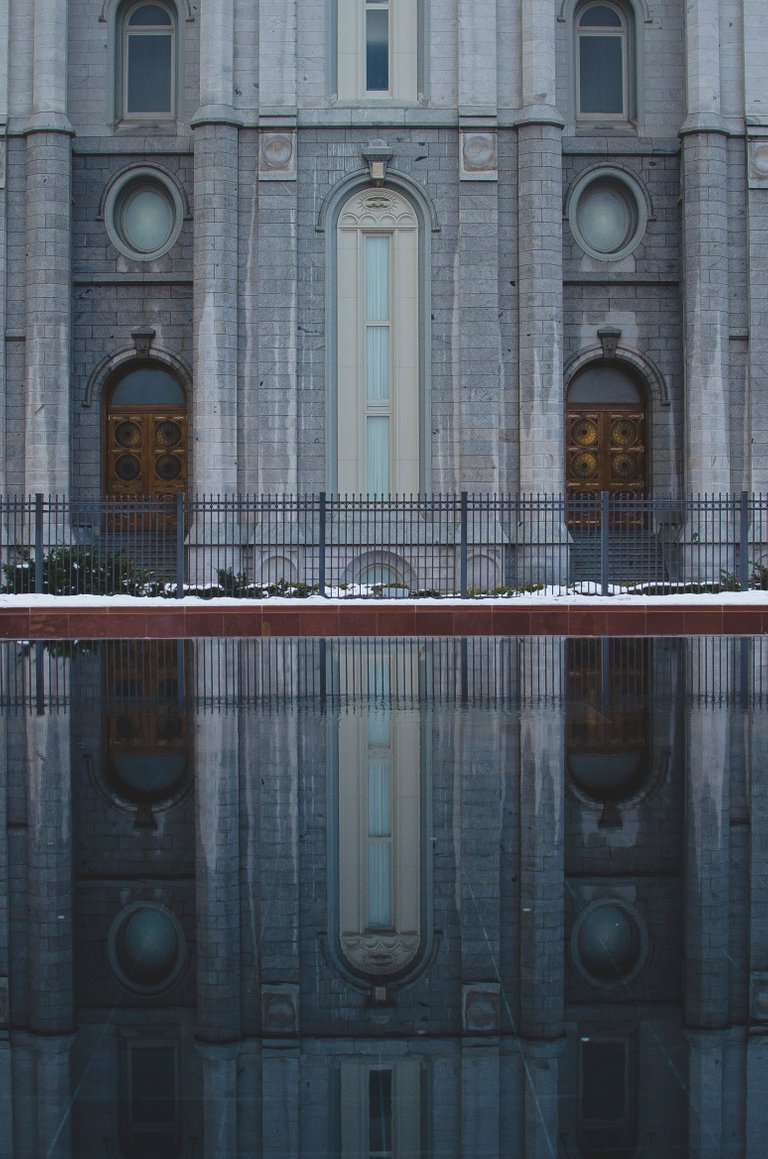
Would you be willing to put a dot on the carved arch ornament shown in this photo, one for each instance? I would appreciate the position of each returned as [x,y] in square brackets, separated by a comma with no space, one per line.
[378,208]
[396,182]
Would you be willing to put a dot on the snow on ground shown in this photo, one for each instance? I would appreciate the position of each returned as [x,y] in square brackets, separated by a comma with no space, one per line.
[583,594]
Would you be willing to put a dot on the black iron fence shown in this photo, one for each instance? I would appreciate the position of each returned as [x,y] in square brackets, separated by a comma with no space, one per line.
[458,544]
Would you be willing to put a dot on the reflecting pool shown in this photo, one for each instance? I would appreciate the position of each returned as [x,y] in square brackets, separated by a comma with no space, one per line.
[384,898]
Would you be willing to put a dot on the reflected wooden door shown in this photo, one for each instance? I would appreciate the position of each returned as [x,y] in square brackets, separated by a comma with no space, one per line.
[606,451]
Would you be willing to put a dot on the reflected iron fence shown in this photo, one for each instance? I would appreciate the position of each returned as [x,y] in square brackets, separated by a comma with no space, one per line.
[460,544]
[604,688]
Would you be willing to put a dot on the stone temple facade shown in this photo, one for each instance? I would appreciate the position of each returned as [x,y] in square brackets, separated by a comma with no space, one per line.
[383,246]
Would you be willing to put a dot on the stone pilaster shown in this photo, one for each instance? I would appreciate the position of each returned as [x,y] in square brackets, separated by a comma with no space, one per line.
[541,848]
[478,403]
[707,836]
[273,371]
[50,930]
[48,229]
[756,113]
[214,466]
[705,258]
[540,257]
[218,851]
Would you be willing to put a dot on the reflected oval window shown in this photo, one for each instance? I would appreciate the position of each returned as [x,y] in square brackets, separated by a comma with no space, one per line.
[148,776]
[146,947]
[609,943]
[609,776]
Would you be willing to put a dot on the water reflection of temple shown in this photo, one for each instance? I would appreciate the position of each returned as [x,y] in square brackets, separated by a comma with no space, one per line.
[384,898]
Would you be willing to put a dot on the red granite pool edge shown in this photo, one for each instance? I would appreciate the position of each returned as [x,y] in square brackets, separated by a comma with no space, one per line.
[402,619]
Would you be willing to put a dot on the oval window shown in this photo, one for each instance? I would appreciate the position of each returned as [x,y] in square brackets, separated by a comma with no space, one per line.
[607,214]
[143,213]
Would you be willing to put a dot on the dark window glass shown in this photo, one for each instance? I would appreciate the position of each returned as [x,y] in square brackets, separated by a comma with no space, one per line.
[604,384]
[153,1086]
[149,74]
[150,15]
[380,1112]
[603,1081]
[148,387]
[377,52]
[600,16]
[601,75]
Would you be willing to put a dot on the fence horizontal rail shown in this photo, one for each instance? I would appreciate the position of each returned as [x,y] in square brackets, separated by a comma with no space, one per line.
[460,544]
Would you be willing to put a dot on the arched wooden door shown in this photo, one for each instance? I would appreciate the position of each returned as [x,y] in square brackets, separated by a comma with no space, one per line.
[146,436]
[606,440]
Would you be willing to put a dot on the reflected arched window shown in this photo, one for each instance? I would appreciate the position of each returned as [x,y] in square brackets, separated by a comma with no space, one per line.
[380,902]
[604,66]
[147,62]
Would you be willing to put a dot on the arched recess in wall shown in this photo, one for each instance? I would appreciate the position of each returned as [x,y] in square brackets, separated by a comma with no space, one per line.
[145,431]
[378,365]
[380,933]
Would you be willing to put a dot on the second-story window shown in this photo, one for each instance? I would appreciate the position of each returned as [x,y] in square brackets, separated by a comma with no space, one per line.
[377,49]
[603,82]
[148,56]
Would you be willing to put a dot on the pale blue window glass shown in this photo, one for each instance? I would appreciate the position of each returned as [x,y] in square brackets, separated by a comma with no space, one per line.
[377,278]
[377,439]
[147,219]
[377,310]
[379,885]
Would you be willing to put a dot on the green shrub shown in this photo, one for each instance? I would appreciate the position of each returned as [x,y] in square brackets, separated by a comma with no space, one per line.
[78,571]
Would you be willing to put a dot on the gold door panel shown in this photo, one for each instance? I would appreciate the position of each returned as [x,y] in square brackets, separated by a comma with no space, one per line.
[146,454]
[605,451]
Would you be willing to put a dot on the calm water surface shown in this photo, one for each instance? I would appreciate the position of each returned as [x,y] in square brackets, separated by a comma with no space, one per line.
[372,899]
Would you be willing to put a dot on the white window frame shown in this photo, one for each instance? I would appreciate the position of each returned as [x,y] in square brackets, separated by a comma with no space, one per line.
[124,35]
[351,54]
[625,35]
[373,212]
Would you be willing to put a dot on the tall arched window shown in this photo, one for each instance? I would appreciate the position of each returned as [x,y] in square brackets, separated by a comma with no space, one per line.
[378,344]
[147,62]
[604,64]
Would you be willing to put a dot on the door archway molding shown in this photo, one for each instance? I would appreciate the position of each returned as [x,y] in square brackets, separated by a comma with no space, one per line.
[125,358]
[652,378]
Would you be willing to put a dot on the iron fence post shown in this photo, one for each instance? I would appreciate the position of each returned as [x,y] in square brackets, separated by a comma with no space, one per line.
[744,540]
[38,543]
[180,520]
[322,511]
[604,544]
[463,548]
